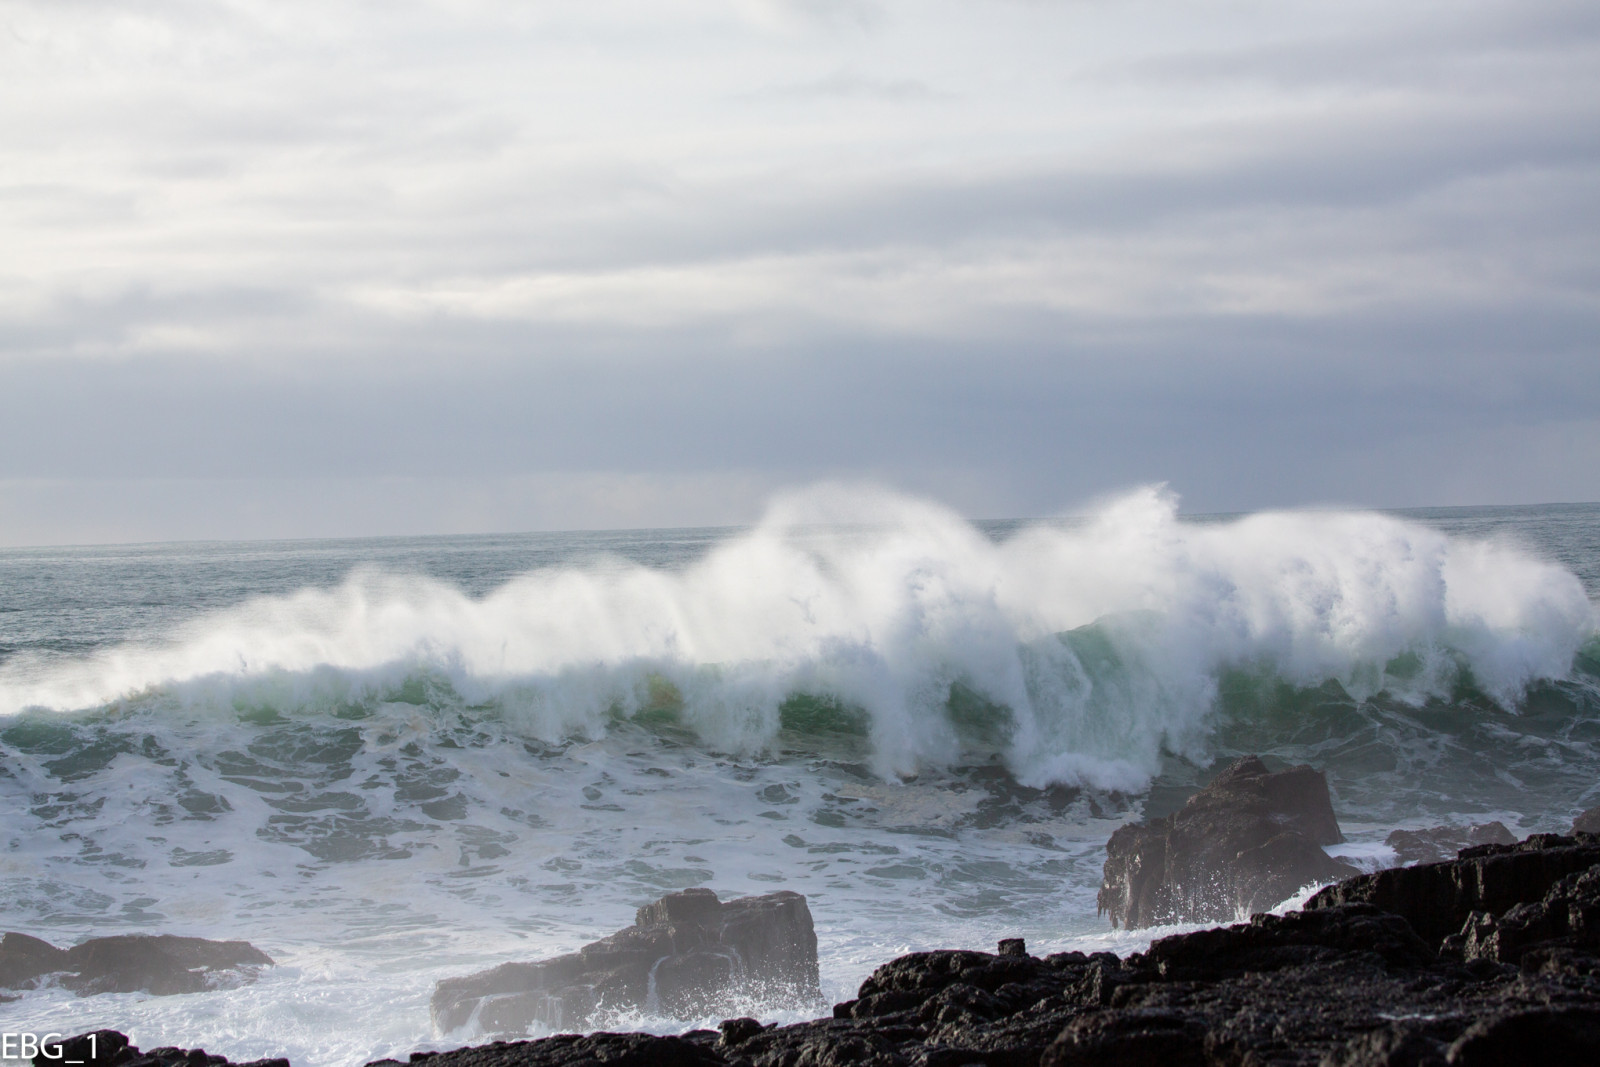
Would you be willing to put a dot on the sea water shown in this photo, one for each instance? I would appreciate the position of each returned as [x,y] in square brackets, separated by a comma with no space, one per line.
[389,761]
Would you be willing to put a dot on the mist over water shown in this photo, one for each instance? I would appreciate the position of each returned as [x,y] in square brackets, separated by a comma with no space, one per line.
[386,762]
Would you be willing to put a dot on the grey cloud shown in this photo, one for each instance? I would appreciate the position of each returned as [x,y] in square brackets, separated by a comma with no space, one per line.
[847,85]
[1487,48]
[692,404]
[198,315]
[1338,164]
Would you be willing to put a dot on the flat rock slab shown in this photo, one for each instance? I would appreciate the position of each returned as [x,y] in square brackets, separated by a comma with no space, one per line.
[162,964]
[1246,842]
[687,954]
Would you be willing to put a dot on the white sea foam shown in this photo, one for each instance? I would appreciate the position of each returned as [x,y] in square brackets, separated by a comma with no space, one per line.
[348,776]
[882,602]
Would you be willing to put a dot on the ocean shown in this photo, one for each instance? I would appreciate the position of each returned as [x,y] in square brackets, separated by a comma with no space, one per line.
[389,761]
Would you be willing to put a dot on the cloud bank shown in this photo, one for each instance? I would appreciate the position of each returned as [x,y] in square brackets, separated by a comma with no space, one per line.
[268,264]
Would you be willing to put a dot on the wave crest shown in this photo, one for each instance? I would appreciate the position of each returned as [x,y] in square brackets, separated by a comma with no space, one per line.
[1079,652]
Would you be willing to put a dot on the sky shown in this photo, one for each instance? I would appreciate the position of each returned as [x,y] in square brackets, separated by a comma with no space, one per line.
[273,268]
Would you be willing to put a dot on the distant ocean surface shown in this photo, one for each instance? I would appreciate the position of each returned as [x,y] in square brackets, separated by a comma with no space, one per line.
[389,761]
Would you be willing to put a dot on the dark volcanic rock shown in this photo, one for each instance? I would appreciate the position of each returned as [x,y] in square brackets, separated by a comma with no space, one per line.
[1567,918]
[1539,1035]
[1443,842]
[571,1050]
[1437,899]
[1588,822]
[1244,843]
[687,954]
[1273,942]
[130,963]
[108,1048]
[1129,1039]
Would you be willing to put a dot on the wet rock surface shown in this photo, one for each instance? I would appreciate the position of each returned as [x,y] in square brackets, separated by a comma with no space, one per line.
[687,954]
[1248,840]
[162,964]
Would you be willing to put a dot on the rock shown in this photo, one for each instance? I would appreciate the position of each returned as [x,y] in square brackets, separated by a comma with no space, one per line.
[1544,1035]
[572,1050]
[93,1049]
[1343,984]
[1271,942]
[1396,1045]
[1588,822]
[1567,917]
[109,1048]
[1443,842]
[131,963]
[24,959]
[1244,843]
[1437,899]
[737,1031]
[1129,1039]
[687,954]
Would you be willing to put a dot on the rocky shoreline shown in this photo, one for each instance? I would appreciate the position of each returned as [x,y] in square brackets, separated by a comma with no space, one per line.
[1489,958]
[1355,978]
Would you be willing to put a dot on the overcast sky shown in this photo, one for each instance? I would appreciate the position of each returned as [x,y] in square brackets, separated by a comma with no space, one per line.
[279,268]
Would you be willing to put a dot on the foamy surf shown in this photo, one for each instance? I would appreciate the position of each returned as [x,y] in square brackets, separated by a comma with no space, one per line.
[383,776]
[1078,654]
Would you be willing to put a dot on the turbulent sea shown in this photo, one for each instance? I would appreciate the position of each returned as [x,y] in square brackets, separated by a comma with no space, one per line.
[385,762]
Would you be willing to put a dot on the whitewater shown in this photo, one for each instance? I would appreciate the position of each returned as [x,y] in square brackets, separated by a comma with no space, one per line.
[386,762]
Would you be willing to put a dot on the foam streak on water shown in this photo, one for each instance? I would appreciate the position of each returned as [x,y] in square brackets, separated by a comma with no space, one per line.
[392,773]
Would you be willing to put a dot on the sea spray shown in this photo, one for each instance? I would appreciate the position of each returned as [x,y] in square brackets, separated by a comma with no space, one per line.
[389,762]
[1079,654]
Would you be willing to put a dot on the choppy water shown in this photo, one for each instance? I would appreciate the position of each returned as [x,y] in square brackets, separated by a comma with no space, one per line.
[388,761]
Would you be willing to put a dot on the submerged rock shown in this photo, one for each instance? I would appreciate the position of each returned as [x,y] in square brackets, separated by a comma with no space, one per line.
[687,954]
[161,964]
[1246,842]
[1443,842]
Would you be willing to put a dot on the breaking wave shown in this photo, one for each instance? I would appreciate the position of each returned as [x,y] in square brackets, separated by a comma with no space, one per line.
[1078,652]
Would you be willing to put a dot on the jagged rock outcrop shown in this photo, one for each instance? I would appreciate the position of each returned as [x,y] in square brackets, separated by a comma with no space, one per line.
[1244,843]
[1566,919]
[1588,822]
[687,954]
[1438,898]
[161,964]
[1443,842]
